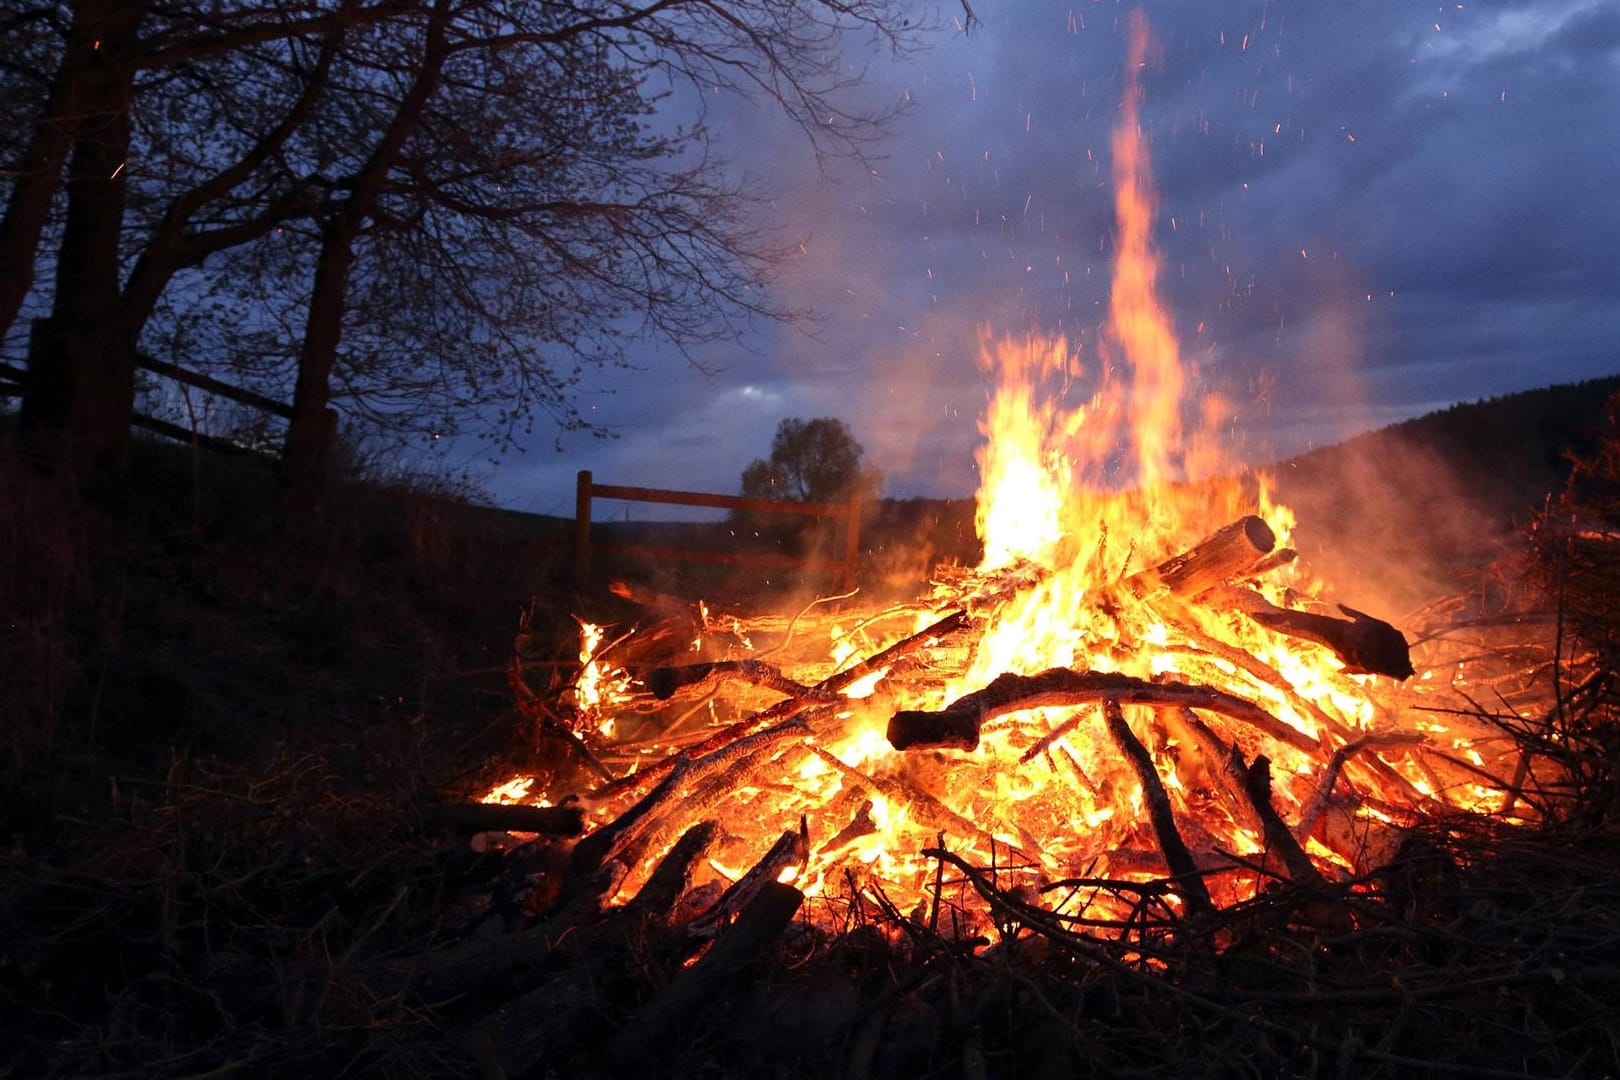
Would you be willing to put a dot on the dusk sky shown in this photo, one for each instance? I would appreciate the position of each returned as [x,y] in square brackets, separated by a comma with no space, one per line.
[1367,211]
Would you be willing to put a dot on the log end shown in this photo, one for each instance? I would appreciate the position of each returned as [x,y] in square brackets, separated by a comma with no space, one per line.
[919,730]
[1259,533]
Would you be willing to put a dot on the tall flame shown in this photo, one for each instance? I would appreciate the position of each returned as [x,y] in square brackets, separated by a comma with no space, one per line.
[1138,321]
[1094,488]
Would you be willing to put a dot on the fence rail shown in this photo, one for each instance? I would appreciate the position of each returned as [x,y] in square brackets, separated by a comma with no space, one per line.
[589,491]
[13,379]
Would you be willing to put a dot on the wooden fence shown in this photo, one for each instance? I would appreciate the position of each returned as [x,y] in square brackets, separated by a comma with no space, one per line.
[589,491]
[12,380]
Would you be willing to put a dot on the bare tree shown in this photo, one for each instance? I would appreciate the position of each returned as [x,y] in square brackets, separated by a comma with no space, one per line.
[653,237]
[81,375]
[471,190]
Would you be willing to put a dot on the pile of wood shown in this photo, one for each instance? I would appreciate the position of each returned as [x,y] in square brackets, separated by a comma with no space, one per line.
[749,717]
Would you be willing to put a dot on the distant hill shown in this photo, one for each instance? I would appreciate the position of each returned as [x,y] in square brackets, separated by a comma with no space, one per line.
[1400,511]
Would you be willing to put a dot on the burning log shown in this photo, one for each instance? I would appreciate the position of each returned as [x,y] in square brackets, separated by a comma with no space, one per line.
[1189,881]
[1214,560]
[1367,645]
[957,725]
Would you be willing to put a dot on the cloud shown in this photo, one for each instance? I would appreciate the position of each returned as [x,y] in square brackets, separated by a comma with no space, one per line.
[1362,216]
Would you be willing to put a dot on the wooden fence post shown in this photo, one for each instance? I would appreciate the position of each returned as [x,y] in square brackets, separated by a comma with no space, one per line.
[852,541]
[582,528]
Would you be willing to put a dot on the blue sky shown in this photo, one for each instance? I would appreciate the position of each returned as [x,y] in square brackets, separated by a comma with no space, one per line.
[1366,211]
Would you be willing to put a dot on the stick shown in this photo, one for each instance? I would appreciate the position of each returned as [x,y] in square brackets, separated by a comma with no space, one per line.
[1189,880]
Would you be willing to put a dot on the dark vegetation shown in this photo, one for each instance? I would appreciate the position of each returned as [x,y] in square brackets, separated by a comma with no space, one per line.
[223,734]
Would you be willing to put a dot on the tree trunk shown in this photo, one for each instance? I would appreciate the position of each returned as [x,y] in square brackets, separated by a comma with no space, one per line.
[308,448]
[309,435]
[87,60]
[81,370]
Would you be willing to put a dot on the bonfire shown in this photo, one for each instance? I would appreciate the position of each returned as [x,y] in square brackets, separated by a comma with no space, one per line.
[1138,711]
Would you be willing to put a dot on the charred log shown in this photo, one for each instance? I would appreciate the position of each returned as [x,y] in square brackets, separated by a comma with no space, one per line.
[957,725]
[1366,645]
[568,820]
[757,926]
[516,1037]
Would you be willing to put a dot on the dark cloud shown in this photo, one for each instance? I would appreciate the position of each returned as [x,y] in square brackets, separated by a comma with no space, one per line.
[1366,211]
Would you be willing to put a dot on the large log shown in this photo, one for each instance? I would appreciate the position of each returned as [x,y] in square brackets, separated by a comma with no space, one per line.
[1214,560]
[957,725]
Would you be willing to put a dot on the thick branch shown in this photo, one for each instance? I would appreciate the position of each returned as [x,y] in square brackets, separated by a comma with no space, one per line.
[957,725]
[1189,882]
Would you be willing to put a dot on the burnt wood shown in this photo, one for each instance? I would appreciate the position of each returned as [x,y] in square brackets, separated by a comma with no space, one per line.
[759,924]
[1365,644]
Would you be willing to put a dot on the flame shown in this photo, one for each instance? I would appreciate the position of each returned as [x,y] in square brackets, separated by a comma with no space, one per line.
[598,687]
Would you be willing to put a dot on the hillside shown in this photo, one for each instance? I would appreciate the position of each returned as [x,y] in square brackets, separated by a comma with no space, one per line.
[1395,513]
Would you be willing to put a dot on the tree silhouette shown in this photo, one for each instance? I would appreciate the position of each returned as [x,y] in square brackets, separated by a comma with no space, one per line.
[811,461]
[440,211]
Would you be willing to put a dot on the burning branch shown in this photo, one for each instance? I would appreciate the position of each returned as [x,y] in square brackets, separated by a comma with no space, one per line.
[1185,872]
[957,726]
